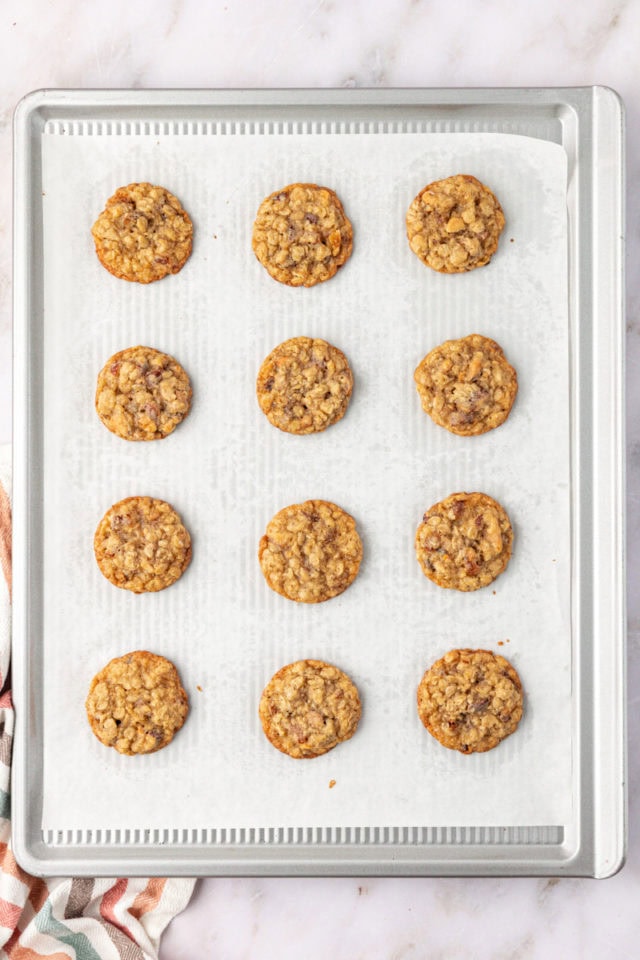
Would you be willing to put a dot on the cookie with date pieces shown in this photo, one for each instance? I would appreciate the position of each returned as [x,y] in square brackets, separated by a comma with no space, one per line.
[301,234]
[304,385]
[308,708]
[143,234]
[136,703]
[310,551]
[467,386]
[470,700]
[464,542]
[142,545]
[142,394]
[453,225]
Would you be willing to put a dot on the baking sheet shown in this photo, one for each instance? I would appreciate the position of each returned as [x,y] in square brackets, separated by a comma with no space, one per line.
[227,471]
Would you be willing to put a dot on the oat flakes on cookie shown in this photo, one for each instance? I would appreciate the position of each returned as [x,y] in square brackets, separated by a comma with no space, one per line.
[308,708]
[467,386]
[136,704]
[302,235]
[470,700]
[304,385]
[142,545]
[310,551]
[464,542]
[142,394]
[454,225]
[143,234]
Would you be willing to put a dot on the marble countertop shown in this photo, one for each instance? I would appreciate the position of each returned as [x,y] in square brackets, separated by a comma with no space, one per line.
[322,43]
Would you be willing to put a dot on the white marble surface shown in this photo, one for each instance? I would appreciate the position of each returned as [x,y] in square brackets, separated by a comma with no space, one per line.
[62,43]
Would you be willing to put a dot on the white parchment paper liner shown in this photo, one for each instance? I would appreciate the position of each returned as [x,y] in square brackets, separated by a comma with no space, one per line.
[226,470]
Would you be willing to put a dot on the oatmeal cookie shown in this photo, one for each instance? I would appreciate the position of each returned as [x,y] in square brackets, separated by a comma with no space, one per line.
[467,386]
[310,552]
[470,700]
[136,703]
[142,394]
[302,235]
[464,542]
[454,225]
[141,545]
[143,234]
[304,385]
[308,708]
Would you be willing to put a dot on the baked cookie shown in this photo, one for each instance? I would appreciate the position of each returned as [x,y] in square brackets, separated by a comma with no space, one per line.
[464,542]
[142,394]
[302,235]
[470,700]
[136,704]
[467,386]
[304,385]
[143,233]
[141,545]
[308,708]
[310,552]
[453,225]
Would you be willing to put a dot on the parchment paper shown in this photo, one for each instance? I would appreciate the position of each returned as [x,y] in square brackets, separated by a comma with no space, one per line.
[227,471]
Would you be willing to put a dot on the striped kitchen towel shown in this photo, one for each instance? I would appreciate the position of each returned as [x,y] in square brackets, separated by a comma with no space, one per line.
[61,918]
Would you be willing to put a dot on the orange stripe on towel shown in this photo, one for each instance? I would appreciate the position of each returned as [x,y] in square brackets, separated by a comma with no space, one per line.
[148,898]
[8,865]
[16,951]
[38,894]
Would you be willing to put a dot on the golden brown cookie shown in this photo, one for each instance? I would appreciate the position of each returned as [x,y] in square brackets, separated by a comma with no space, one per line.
[302,235]
[308,708]
[304,385]
[470,700]
[467,386]
[311,551]
[142,545]
[464,542]
[143,234]
[142,394]
[454,225]
[136,703]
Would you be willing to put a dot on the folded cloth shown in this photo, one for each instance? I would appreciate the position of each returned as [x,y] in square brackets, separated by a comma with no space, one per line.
[83,918]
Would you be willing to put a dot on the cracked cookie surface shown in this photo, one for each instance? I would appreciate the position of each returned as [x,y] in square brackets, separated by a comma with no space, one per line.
[453,225]
[301,234]
[143,234]
[308,708]
[142,394]
[311,551]
[304,385]
[470,700]
[467,386]
[136,704]
[142,545]
[464,542]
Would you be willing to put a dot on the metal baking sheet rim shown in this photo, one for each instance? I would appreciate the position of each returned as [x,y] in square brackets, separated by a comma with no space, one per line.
[590,125]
